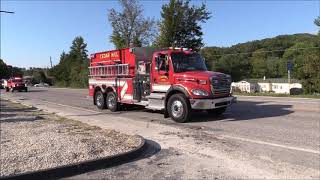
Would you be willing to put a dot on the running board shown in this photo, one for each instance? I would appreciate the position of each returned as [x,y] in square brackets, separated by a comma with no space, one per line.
[156,101]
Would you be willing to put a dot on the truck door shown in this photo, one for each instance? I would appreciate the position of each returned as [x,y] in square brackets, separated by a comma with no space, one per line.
[141,81]
[161,73]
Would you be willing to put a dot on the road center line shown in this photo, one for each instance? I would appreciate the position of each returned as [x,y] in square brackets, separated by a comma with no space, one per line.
[272,144]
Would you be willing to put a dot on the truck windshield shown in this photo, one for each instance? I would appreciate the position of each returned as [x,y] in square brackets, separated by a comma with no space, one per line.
[187,62]
[17,80]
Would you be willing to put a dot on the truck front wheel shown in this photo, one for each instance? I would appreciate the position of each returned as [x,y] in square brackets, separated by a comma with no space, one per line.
[179,108]
[100,100]
[112,102]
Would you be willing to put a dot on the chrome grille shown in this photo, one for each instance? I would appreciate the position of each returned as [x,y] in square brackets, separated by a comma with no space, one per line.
[220,84]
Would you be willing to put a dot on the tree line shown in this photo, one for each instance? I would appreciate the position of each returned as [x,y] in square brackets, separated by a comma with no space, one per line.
[32,75]
[269,58]
[6,71]
[72,70]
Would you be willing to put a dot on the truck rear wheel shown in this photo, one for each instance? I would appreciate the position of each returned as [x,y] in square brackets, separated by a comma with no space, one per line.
[217,111]
[179,108]
[112,102]
[100,100]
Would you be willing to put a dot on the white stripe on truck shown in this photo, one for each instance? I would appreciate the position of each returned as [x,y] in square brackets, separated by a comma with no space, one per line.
[161,87]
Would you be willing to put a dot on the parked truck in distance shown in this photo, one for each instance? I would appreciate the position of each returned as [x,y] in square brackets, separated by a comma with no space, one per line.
[15,83]
[174,80]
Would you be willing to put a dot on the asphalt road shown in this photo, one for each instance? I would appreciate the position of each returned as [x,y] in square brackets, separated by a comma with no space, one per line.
[282,129]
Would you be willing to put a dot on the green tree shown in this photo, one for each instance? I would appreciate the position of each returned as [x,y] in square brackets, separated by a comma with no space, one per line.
[317,21]
[78,60]
[72,70]
[130,28]
[4,73]
[211,56]
[38,75]
[259,64]
[273,67]
[238,68]
[306,65]
[180,25]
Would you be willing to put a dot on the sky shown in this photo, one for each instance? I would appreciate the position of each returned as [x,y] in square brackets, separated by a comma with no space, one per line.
[41,28]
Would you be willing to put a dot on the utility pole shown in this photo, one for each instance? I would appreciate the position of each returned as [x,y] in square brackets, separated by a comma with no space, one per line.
[289,76]
[50,62]
[289,67]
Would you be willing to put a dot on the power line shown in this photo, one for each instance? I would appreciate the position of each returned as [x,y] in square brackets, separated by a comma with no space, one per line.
[276,50]
[9,12]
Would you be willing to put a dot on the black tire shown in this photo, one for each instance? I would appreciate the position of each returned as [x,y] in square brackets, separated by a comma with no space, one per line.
[217,111]
[112,101]
[100,100]
[26,89]
[7,89]
[179,108]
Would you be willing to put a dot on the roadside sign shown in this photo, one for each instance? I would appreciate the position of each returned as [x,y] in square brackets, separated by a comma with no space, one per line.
[289,65]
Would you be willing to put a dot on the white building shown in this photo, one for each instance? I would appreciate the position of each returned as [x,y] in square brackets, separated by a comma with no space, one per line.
[276,85]
[245,86]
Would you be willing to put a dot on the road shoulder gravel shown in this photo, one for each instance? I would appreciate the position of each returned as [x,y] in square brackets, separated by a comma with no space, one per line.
[33,140]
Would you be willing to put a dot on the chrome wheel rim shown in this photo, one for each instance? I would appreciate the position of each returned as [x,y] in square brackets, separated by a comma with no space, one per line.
[177,109]
[99,100]
[111,101]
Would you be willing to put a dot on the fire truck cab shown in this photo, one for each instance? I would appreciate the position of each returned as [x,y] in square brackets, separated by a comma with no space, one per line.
[174,80]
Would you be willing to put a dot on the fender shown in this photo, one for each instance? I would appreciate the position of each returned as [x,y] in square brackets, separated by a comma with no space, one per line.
[173,89]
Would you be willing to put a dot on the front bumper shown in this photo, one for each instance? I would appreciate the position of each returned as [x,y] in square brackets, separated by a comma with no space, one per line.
[212,103]
[19,88]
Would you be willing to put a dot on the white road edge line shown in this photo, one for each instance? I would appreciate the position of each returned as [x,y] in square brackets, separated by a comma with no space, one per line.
[73,107]
[281,101]
[272,144]
[273,97]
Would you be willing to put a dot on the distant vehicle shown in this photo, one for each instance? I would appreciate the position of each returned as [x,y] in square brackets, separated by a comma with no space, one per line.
[15,83]
[41,85]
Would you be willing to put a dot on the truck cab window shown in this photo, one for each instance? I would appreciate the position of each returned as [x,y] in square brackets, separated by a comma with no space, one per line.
[183,62]
[164,63]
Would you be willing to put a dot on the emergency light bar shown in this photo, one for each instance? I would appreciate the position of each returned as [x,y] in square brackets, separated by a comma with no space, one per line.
[182,48]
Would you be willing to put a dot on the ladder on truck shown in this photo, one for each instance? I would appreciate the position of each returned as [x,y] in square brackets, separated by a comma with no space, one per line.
[109,70]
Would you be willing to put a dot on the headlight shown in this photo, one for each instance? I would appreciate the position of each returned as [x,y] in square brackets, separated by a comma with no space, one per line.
[202,82]
[199,92]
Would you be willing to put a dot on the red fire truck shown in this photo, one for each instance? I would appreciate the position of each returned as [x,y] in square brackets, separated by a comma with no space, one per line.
[174,80]
[15,83]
